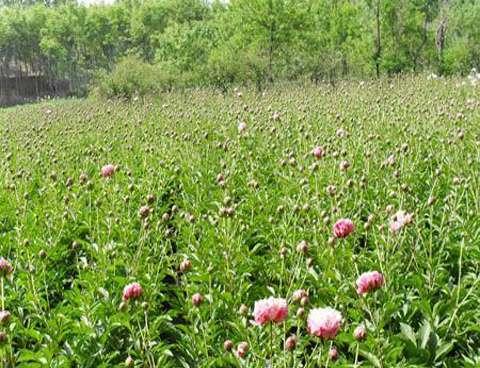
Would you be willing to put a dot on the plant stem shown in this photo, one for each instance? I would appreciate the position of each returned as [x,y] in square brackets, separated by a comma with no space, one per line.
[319,360]
[271,345]
[284,347]
[2,295]
[328,355]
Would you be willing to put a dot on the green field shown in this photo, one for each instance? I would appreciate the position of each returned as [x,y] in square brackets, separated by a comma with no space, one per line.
[236,204]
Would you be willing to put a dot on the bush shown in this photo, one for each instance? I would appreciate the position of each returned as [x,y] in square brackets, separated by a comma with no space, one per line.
[225,68]
[132,77]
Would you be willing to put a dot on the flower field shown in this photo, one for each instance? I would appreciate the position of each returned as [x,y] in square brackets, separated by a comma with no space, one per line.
[299,227]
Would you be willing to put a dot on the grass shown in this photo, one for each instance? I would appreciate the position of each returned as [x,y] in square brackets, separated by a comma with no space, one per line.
[76,239]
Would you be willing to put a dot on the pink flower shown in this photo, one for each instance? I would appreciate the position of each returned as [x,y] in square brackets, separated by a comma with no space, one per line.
[132,291]
[5,268]
[399,220]
[108,170]
[318,152]
[343,228]
[270,310]
[369,281]
[360,333]
[324,322]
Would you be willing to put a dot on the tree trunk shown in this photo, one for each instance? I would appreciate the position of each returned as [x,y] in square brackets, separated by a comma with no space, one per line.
[378,42]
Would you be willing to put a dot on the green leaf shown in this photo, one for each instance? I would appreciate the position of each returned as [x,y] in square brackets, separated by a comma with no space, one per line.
[371,358]
[314,274]
[424,334]
[408,333]
[443,350]
[26,356]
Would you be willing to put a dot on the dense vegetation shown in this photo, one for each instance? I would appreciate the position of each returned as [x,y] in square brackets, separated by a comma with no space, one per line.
[216,201]
[218,43]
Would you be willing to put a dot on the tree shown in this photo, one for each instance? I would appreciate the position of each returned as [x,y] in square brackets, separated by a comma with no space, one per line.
[270,26]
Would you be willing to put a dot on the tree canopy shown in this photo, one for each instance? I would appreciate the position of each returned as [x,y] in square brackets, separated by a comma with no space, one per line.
[218,42]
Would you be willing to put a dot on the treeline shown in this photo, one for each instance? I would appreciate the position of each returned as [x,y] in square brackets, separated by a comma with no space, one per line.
[198,42]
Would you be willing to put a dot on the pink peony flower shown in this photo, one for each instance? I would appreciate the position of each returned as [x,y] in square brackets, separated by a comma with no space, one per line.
[132,291]
[369,281]
[399,220]
[5,268]
[343,228]
[108,170]
[270,310]
[318,152]
[324,322]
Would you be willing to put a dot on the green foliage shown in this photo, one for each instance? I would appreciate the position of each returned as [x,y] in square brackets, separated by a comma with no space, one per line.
[236,205]
[206,41]
[131,77]
[463,52]
[228,67]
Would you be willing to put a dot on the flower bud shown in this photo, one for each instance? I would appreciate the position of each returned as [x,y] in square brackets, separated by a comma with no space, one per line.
[302,247]
[300,312]
[333,354]
[243,310]
[129,361]
[3,337]
[185,266]
[304,300]
[6,268]
[242,349]
[228,345]
[4,317]
[360,333]
[197,299]
[291,343]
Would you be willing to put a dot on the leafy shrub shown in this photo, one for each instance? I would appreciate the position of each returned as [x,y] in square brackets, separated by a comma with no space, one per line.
[225,68]
[132,77]
[457,58]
